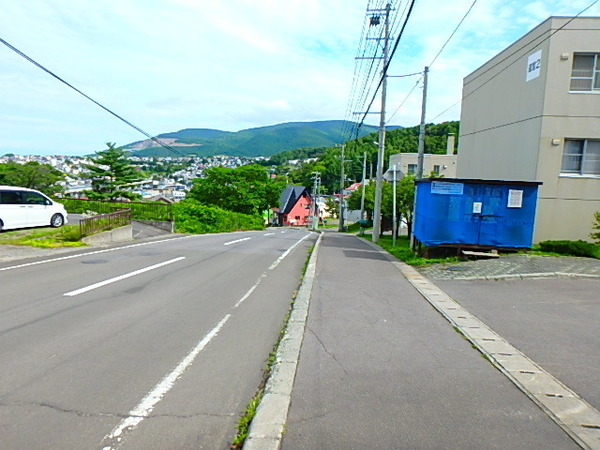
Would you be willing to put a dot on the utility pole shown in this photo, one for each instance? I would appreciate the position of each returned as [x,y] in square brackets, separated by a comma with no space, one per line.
[381,151]
[342,182]
[421,151]
[315,208]
[362,197]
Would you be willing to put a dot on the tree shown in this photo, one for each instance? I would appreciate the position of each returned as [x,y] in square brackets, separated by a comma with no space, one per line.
[405,195]
[111,173]
[248,189]
[33,175]
[405,201]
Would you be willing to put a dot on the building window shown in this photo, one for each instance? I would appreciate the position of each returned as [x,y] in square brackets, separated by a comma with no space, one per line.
[412,169]
[581,156]
[436,169]
[585,75]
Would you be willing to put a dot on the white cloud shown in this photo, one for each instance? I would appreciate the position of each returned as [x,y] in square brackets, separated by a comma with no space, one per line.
[172,64]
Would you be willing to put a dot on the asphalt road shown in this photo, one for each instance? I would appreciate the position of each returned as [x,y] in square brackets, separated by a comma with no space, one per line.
[150,345]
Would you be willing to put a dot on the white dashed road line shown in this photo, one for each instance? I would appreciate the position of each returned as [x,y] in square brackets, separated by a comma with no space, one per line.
[121,277]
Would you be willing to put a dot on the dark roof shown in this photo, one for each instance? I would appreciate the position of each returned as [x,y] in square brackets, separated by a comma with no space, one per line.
[289,197]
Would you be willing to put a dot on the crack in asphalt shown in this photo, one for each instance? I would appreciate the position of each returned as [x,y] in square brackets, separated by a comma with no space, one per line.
[109,414]
[327,351]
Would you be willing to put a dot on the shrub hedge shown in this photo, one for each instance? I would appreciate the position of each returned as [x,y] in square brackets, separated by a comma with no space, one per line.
[572,248]
[194,217]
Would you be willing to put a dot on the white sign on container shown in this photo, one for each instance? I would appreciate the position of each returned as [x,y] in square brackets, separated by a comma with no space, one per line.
[447,188]
[515,198]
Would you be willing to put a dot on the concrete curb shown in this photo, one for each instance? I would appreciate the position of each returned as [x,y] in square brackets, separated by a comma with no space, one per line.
[573,414]
[523,276]
[267,428]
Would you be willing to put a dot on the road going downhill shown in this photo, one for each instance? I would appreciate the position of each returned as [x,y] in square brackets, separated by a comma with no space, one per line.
[144,346]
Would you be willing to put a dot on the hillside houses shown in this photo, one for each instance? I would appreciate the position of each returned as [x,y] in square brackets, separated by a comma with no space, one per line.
[171,186]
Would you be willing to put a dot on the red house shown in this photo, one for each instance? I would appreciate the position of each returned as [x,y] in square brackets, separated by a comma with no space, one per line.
[295,206]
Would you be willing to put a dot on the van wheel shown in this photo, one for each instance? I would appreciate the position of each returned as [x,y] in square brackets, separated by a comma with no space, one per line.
[57,220]
[1,225]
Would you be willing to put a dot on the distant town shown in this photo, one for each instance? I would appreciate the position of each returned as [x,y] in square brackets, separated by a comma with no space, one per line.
[169,178]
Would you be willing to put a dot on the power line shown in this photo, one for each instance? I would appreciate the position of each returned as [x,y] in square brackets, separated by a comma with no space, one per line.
[387,65]
[361,92]
[49,72]
[435,58]
[453,33]
[532,43]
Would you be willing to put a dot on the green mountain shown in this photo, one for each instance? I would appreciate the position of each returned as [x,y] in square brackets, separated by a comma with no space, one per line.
[262,141]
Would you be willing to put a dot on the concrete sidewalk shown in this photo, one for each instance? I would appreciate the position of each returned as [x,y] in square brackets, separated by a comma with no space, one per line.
[380,368]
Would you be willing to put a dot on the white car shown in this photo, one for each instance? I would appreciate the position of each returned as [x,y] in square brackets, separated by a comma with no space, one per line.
[22,208]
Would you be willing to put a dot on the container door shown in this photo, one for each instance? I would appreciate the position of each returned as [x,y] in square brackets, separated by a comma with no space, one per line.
[486,212]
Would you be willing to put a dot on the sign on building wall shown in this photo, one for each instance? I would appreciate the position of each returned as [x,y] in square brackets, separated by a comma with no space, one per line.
[534,64]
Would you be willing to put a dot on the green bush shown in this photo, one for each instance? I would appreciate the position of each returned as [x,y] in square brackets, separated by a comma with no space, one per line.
[194,217]
[572,248]
[70,233]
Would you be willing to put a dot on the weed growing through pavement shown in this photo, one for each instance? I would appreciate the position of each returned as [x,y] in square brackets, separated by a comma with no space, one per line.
[243,425]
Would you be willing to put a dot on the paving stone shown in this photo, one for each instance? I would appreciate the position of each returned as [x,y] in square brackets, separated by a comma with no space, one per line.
[514,266]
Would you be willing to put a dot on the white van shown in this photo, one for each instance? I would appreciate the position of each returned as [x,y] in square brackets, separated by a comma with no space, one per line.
[22,207]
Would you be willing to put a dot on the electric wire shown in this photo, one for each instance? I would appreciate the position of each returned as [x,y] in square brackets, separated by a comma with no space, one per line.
[435,58]
[387,65]
[49,72]
[360,95]
[532,43]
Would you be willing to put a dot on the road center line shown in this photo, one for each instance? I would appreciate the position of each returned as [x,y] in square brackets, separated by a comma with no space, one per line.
[145,407]
[121,277]
[236,241]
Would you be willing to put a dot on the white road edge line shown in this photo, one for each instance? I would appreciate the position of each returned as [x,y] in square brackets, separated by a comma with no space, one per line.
[236,241]
[287,252]
[80,255]
[121,277]
[145,407]
[264,274]
[268,426]
[251,290]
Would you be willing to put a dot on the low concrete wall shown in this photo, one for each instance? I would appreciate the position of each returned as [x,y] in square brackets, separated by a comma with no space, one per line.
[167,226]
[120,234]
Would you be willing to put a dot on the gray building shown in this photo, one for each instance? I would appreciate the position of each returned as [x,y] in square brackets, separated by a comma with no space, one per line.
[532,113]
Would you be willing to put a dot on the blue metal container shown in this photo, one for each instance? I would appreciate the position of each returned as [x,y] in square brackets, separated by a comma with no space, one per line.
[480,213]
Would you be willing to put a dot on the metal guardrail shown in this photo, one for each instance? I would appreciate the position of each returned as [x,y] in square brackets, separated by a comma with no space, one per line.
[102,222]
[140,210]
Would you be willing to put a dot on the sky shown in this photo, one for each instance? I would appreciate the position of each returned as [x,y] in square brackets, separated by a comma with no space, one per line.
[166,65]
